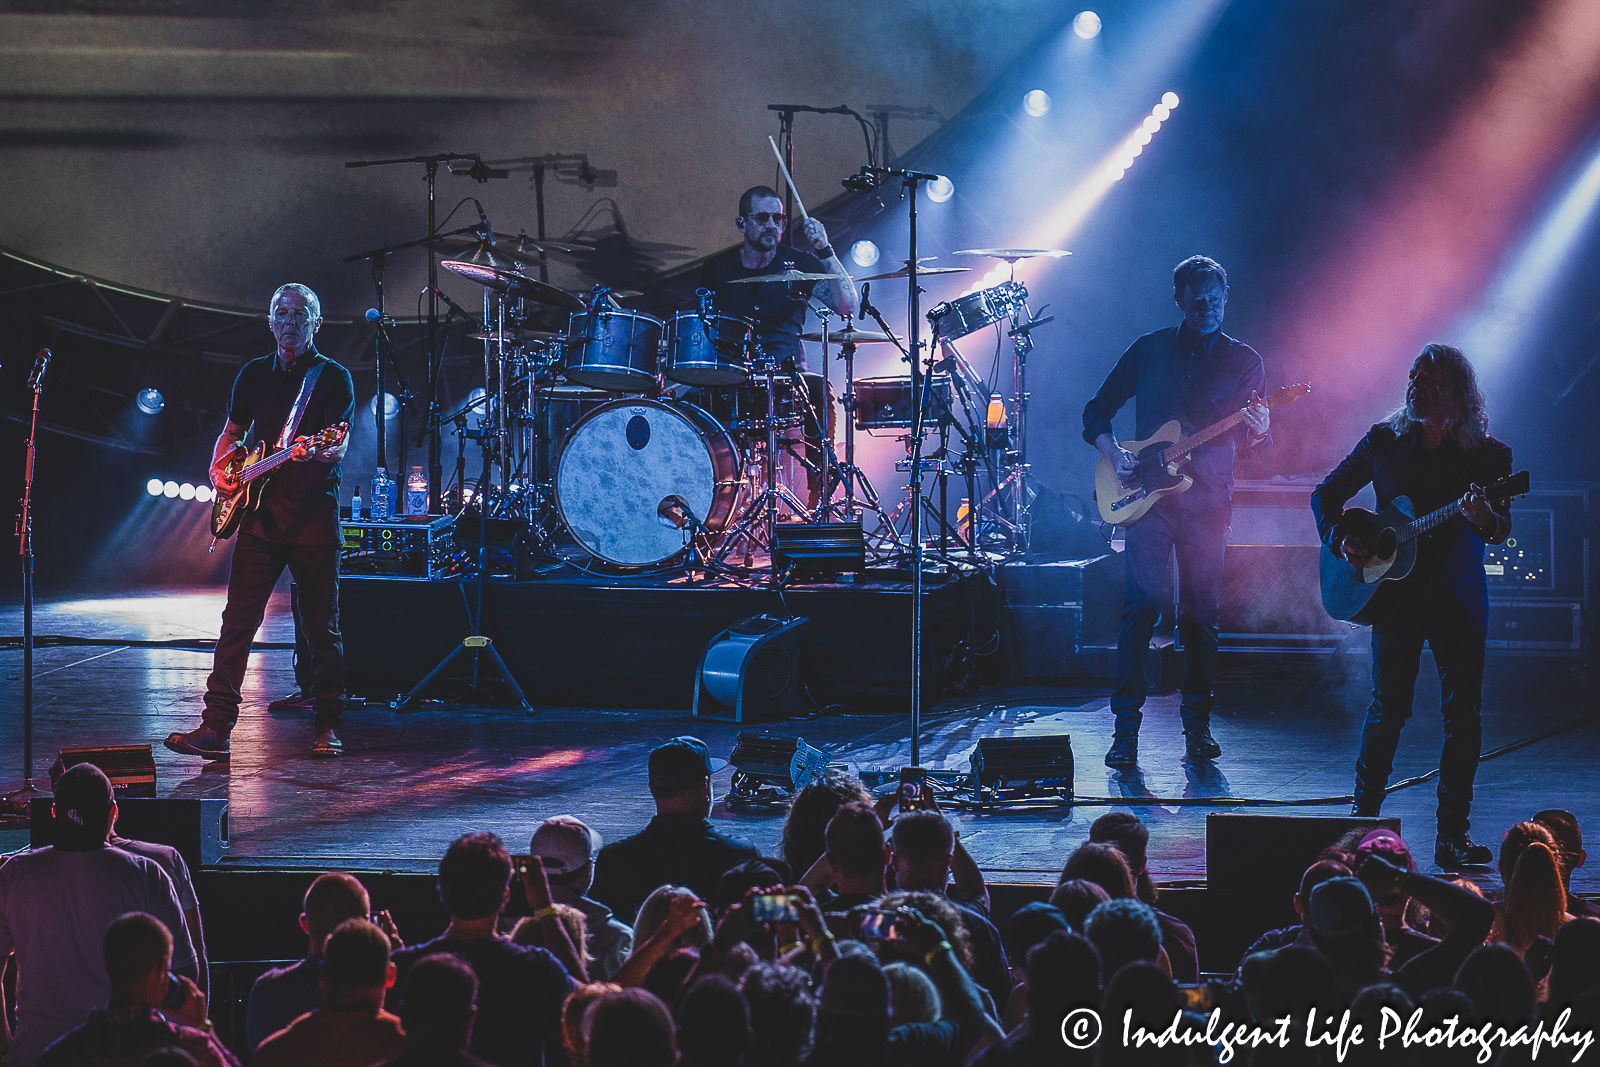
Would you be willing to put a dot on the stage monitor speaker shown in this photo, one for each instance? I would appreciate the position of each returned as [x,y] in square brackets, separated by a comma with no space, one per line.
[787,762]
[817,548]
[196,826]
[131,768]
[1269,853]
[749,670]
[1015,761]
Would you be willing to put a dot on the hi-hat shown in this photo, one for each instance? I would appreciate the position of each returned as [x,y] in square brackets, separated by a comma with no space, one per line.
[1012,255]
[904,272]
[785,277]
[851,336]
[512,284]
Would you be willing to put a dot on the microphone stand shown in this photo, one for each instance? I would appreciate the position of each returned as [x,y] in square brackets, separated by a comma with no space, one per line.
[20,801]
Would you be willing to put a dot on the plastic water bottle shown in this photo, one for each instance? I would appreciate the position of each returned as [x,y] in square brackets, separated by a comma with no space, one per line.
[355,504]
[416,492]
[382,487]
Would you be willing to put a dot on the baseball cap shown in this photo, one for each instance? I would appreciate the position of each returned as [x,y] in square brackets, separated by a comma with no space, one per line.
[1340,907]
[565,843]
[1388,844]
[83,805]
[682,762]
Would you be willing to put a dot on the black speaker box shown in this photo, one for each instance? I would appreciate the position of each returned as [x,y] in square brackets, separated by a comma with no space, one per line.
[1269,853]
[196,826]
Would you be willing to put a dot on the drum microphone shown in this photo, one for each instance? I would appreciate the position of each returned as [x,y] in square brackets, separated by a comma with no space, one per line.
[488,231]
[440,293]
[866,305]
[374,315]
[40,362]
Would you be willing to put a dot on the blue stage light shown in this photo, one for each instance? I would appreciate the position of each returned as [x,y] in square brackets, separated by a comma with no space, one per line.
[1086,25]
[864,253]
[391,406]
[153,486]
[941,189]
[1036,102]
[150,401]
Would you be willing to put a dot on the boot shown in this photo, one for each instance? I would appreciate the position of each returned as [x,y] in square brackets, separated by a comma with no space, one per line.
[1124,751]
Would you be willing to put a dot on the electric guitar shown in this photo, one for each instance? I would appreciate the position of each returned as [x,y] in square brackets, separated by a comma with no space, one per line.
[1358,594]
[1159,455]
[232,508]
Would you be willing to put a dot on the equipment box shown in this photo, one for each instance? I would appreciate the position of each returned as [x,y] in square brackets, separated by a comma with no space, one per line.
[406,546]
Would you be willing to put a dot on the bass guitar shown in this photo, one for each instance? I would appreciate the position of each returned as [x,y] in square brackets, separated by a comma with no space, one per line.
[1158,473]
[1358,594]
[250,469]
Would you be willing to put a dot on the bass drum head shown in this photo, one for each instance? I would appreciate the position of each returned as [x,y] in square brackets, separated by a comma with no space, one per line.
[629,469]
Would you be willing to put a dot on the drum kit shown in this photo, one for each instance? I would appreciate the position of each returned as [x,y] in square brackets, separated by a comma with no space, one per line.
[657,443]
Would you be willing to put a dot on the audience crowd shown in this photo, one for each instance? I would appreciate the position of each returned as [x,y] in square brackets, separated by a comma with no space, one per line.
[870,940]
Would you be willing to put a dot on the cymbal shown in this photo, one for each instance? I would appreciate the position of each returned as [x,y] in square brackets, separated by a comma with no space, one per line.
[921,271]
[786,277]
[620,294]
[1012,255]
[512,284]
[481,253]
[851,336]
[515,334]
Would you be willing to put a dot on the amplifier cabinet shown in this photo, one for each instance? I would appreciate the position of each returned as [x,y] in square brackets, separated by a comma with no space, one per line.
[1523,625]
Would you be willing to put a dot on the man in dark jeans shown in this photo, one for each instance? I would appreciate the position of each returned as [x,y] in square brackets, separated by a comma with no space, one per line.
[1434,449]
[1196,374]
[296,524]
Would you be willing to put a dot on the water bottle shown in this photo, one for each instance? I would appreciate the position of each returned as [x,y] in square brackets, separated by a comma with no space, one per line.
[355,504]
[416,492]
[381,489]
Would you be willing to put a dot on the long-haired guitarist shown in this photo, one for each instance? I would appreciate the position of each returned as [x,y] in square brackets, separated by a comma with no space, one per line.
[1195,374]
[295,525]
[1434,449]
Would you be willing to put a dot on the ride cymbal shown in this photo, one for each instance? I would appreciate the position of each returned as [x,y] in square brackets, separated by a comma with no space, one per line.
[1012,255]
[512,284]
[921,272]
[785,277]
[851,336]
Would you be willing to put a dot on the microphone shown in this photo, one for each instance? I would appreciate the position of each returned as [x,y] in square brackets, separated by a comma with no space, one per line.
[866,305]
[863,181]
[373,315]
[488,231]
[40,362]
[442,295]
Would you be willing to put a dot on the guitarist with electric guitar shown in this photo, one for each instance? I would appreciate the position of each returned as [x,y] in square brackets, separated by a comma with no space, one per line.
[1414,571]
[279,502]
[1190,376]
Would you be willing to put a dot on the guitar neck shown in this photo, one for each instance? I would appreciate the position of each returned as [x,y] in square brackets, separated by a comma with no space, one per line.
[1176,451]
[257,469]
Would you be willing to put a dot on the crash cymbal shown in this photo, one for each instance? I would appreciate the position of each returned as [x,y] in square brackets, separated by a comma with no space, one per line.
[514,334]
[1012,255]
[921,271]
[481,253]
[851,336]
[620,294]
[785,277]
[512,284]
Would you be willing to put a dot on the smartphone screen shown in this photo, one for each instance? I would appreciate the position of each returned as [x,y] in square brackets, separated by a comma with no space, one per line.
[774,908]
[911,779]
[881,926]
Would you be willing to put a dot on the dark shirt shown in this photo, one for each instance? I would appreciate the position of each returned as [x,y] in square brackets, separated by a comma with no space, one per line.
[911,1045]
[300,505]
[839,903]
[123,1036]
[1025,1049]
[1449,557]
[281,996]
[672,850]
[1174,374]
[990,968]
[1178,940]
[425,1057]
[778,311]
[520,993]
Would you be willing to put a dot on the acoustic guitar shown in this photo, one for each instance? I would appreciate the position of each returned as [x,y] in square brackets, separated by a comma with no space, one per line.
[1159,456]
[1358,594]
[251,469]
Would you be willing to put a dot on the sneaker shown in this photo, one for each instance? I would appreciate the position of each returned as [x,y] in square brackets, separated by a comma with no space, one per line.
[327,745]
[205,742]
[1453,851]
[1200,745]
[1124,751]
[296,701]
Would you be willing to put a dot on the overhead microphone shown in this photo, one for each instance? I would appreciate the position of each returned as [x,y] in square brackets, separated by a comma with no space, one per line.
[488,231]
[442,295]
[866,305]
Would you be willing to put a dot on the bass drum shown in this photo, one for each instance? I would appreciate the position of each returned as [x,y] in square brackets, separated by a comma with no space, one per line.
[636,477]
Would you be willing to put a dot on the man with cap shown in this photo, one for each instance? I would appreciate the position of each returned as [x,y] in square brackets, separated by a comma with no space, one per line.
[56,904]
[567,847]
[1391,901]
[679,846]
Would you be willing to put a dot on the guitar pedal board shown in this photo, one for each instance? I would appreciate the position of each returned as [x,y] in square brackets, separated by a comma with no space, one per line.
[407,546]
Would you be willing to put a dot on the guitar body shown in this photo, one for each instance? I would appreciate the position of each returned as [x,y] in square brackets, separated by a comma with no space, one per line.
[1359,596]
[229,510]
[1122,507]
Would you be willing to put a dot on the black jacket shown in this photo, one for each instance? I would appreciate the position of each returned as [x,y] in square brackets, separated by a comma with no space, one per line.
[672,850]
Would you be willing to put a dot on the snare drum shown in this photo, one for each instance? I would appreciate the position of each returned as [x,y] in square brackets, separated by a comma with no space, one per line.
[955,319]
[885,403]
[708,349]
[613,349]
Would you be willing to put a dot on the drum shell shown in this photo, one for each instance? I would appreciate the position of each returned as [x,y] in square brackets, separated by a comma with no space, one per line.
[613,349]
[611,486]
[885,403]
[709,350]
[955,319]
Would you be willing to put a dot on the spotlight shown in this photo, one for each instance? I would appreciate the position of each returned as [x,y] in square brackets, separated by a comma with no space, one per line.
[1151,124]
[476,396]
[1143,136]
[1086,25]
[169,490]
[150,401]
[153,487]
[941,189]
[1036,102]
[1169,100]
[205,494]
[864,253]
[185,491]
[391,406]
[1162,112]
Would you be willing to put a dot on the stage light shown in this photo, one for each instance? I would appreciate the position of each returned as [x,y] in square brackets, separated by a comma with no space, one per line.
[186,491]
[153,487]
[1162,112]
[205,494]
[150,401]
[169,490]
[941,189]
[1169,100]
[1086,25]
[391,406]
[786,763]
[1036,102]
[1143,136]
[1151,124]
[864,253]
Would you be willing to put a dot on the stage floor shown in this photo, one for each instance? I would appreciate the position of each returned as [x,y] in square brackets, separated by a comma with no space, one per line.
[408,784]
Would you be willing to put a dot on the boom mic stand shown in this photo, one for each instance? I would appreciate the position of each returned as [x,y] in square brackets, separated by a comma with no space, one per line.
[19,802]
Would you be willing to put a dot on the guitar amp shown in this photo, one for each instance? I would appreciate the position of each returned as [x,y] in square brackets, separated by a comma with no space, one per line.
[407,546]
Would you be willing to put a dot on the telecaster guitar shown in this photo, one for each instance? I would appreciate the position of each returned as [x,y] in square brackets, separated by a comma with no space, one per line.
[1359,594]
[1158,473]
[231,508]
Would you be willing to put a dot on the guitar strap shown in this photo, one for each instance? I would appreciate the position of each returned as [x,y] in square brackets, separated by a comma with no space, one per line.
[291,422]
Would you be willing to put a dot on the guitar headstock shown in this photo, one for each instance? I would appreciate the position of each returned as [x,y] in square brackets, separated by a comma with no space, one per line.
[330,437]
[1288,394]
[1513,485]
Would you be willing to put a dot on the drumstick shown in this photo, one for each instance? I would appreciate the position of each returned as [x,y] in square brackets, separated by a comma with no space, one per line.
[788,179]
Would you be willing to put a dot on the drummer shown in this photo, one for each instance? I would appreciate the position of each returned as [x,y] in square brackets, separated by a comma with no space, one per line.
[779,311]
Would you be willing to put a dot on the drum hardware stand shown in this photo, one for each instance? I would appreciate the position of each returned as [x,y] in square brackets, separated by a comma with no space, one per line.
[847,474]
[19,802]
[765,505]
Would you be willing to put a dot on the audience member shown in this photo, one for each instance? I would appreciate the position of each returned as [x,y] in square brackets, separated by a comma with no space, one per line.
[1438,927]
[530,931]
[737,881]
[783,1015]
[1367,1009]
[1102,864]
[1143,989]
[1129,836]
[1439,1006]
[1300,933]
[1029,925]
[857,857]
[519,990]
[1497,982]
[1123,930]
[568,847]
[1563,825]
[1076,898]
[653,914]
[281,996]
[172,861]
[438,1007]
[577,1003]
[936,909]
[804,831]
[1535,903]
[1392,904]
[137,950]
[1574,966]
[629,1028]
[58,902]
[1295,979]
[350,1029]
[913,998]
[1063,973]
[679,846]
[713,1025]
